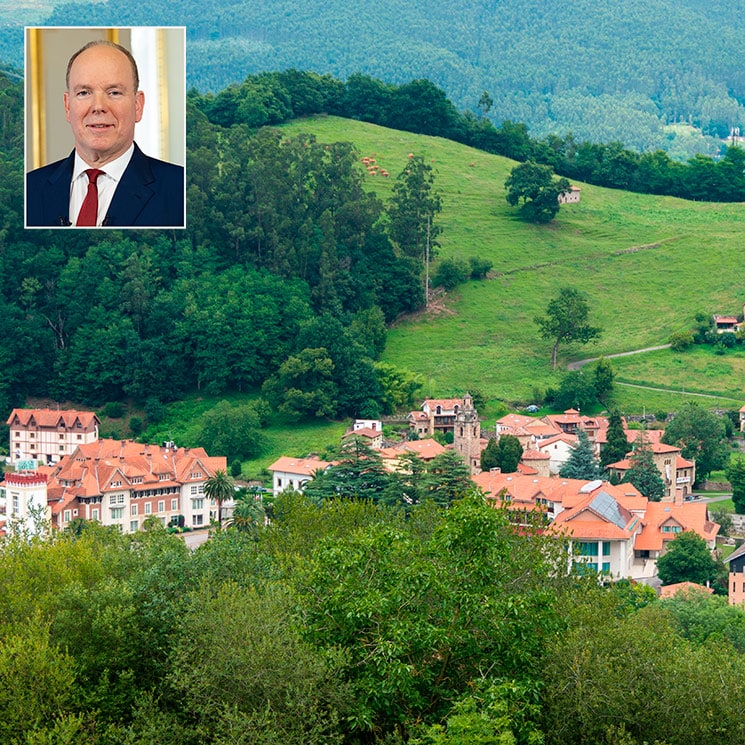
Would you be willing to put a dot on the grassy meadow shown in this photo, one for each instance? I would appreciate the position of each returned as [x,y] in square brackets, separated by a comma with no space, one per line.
[647,263]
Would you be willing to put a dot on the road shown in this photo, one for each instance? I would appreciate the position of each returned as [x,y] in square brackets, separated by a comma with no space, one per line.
[581,363]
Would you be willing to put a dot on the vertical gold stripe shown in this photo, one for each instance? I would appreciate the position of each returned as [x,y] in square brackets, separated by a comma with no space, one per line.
[161,42]
[113,35]
[37,113]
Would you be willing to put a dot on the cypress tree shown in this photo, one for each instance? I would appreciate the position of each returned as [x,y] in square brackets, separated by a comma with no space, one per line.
[616,444]
[582,463]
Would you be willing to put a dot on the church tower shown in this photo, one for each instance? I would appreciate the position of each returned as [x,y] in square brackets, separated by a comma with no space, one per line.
[467,435]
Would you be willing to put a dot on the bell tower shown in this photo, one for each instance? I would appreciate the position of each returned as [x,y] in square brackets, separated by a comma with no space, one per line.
[467,434]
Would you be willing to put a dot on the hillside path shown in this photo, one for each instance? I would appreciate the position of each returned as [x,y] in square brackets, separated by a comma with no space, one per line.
[579,363]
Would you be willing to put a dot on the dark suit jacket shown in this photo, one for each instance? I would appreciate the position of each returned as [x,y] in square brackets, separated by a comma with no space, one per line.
[150,194]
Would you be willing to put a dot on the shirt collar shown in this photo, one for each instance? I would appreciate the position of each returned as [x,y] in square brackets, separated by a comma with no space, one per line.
[114,169]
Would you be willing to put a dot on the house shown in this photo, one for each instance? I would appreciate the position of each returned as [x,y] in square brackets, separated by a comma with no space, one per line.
[664,521]
[678,474]
[558,448]
[727,324]
[425,449]
[294,473]
[742,419]
[437,415]
[48,435]
[570,197]
[736,561]
[121,483]
[611,528]
[538,461]
[686,589]
[373,438]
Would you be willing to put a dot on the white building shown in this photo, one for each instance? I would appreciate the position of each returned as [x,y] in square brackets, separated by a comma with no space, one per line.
[48,435]
[26,501]
[294,473]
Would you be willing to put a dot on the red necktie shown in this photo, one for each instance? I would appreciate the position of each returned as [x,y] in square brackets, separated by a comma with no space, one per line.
[88,214]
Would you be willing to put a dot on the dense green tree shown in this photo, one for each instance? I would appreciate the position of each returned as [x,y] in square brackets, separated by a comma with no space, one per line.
[736,477]
[532,186]
[450,273]
[603,376]
[413,209]
[304,385]
[251,687]
[219,487]
[357,474]
[566,320]
[232,429]
[582,463]
[701,437]
[399,387]
[447,478]
[687,559]
[504,453]
[596,675]
[616,441]
[644,474]
[576,391]
[386,599]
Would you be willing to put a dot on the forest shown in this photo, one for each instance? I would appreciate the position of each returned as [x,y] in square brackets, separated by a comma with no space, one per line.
[285,254]
[345,622]
[651,74]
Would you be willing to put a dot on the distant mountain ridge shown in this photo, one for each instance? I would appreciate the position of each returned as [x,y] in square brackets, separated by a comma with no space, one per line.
[602,69]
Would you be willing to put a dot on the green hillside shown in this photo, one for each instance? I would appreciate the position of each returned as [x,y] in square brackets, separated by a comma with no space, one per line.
[647,263]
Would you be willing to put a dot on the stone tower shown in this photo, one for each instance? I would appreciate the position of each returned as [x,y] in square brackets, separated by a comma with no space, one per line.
[467,435]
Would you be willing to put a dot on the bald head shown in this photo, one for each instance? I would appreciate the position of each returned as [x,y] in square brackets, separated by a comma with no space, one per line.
[103,43]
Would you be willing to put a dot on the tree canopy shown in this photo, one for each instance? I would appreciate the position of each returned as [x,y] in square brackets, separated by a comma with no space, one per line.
[566,320]
[532,186]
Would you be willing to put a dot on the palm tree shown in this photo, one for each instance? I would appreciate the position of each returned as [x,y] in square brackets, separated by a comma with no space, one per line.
[219,487]
[248,513]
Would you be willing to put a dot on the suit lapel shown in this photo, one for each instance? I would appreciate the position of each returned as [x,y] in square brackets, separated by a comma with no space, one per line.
[133,192]
[57,208]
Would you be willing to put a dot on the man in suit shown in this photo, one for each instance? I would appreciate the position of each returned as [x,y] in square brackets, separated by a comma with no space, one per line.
[107,180]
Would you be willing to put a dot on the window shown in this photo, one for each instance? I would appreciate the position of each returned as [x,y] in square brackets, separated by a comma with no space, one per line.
[66,516]
[197,504]
[62,437]
[197,520]
[133,510]
[120,499]
[62,448]
[588,548]
[112,499]
[80,437]
[162,505]
[148,508]
[279,483]
[174,504]
[31,435]
[606,567]
[94,515]
[117,513]
[134,526]
[193,489]
[606,548]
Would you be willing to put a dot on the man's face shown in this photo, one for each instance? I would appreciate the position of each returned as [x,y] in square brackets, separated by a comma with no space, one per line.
[102,105]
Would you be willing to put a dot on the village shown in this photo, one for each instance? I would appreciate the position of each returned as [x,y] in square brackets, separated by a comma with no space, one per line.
[64,472]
